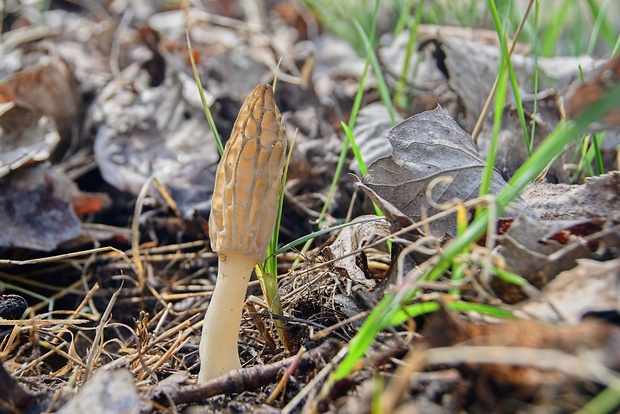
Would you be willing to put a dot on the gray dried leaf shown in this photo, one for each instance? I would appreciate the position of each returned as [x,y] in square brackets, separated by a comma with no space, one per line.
[157,133]
[34,212]
[106,392]
[426,147]
[351,239]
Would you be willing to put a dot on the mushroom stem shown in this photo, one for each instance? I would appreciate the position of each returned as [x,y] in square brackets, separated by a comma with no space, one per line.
[218,350]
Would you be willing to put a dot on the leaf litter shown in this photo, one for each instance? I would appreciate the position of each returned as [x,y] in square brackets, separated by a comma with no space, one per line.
[96,101]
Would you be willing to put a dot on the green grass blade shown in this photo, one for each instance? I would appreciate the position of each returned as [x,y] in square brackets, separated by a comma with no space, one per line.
[205,107]
[383,88]
[511,72]
[400,87]
[498,113]
[554,29]
[601,25]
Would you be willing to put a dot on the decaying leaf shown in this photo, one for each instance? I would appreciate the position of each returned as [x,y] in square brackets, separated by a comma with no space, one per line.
[25,137]
[351,239]
[585,346]
[426,147]
[598,198]
[33,210]
[590,287]
[156,133]
[49,87]
[540,250]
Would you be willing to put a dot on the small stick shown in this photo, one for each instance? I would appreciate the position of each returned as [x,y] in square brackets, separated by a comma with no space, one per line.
[247,379]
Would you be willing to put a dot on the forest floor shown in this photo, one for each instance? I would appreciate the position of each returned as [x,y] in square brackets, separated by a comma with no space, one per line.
[107,169]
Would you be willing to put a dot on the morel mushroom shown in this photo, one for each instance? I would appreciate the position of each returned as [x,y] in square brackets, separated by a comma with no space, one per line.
[243,213]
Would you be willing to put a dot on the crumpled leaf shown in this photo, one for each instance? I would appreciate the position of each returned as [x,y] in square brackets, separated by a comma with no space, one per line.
[591,286]
[25,137]
[598,198]
[34,212]
[49,88]
[352,238]
[540,250]
[157,132]
[425,147]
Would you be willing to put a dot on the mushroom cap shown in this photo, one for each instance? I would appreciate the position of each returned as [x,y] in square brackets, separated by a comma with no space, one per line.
[248,179]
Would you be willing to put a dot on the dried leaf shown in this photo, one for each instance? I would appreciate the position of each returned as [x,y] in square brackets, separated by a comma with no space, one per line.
[531,248]
[49,87]
[598,198]
[33,212]
[591,286]
[25,137]
[157,133]
[351,239]
[425,147]
[106,392]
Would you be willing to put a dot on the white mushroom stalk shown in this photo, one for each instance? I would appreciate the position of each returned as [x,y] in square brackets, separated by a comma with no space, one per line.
[243,213]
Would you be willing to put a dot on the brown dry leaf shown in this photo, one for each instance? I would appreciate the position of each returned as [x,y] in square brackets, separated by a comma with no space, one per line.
[425,147]
[582,96]
[352,239]
[590,287]
[47,86]
[34,212]
[593,339]
[598,198]
[111,391]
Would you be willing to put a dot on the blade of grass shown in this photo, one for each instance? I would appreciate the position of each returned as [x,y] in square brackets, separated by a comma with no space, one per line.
[606,401]
[498,113]
[205,106]
[403,16]
[321,232]
[601,25]
[413,31]
[554,29]
[382,86]
[511,72]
